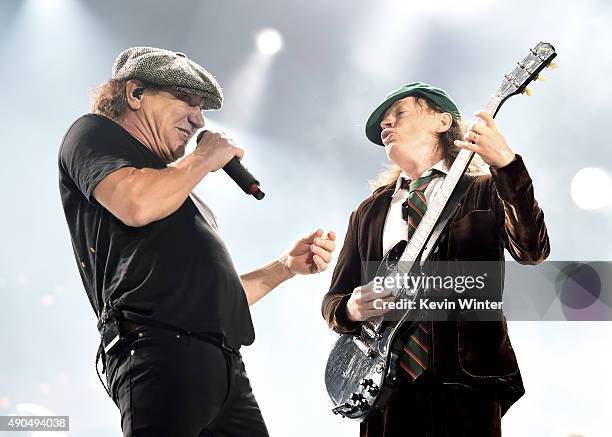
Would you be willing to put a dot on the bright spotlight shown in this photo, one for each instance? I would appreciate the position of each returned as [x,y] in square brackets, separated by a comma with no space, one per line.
[269,41]
[591,188]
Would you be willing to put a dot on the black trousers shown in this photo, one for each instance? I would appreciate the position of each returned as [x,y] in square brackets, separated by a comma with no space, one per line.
[172,385]
[434,410]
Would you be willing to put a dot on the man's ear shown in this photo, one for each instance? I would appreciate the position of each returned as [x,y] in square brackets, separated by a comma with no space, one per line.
[445,120]
[133,94]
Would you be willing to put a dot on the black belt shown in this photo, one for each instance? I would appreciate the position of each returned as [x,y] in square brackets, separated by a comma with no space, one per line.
[128,328]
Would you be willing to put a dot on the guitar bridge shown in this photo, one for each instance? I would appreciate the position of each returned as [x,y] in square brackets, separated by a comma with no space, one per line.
[345,409]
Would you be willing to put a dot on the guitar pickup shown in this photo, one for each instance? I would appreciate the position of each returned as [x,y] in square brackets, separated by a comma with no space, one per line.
[367,351]
[370,332]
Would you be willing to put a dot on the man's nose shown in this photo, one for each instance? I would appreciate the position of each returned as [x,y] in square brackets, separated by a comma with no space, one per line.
[196,118]
[386,122]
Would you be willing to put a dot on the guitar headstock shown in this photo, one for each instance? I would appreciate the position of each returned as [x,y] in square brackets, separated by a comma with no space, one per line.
[527,71]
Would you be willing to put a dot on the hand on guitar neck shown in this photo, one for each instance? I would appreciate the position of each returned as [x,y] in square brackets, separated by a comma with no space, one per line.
[486,140]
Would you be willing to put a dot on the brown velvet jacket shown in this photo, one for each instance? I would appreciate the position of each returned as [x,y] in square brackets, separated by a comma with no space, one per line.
[499,212]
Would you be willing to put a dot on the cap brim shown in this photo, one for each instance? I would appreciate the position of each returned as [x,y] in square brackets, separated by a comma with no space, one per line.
[212,101]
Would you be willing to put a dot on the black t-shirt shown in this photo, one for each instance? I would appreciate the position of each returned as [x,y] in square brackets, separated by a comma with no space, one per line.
[175,271]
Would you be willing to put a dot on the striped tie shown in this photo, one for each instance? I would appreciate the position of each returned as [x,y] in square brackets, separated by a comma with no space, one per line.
[414,358]
[413,209]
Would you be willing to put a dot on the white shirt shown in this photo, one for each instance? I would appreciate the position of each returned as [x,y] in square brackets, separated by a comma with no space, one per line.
[396,228]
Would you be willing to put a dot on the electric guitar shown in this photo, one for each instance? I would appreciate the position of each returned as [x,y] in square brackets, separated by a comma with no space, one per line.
[362,369]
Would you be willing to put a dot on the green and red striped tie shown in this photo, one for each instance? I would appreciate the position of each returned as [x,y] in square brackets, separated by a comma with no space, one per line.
[414,358]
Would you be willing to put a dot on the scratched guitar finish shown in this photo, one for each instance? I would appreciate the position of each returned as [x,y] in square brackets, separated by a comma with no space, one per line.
[362,369]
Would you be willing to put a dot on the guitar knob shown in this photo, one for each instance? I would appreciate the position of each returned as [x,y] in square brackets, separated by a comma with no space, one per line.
[364,405]
[357,398]
[365,382]
[373,390]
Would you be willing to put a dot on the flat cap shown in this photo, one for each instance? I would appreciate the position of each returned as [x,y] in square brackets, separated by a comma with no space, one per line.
[169,69]
[433,94]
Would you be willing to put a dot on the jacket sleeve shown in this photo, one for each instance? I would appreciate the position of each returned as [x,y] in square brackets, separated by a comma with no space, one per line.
[346,276]
[524,232]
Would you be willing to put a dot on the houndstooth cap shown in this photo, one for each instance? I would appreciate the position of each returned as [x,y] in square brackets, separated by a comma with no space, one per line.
[171,69]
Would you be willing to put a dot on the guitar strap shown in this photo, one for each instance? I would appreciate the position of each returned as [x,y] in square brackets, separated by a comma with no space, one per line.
[452,206]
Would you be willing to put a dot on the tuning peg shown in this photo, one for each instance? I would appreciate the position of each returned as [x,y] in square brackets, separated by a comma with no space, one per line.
[553,65]
[527,92]
[541,77]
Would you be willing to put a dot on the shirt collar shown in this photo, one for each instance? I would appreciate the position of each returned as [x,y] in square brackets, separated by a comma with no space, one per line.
[440,166]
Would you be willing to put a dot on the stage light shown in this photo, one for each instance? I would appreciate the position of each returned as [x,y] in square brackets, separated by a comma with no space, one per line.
[591,188]
[47,299]
[269,41]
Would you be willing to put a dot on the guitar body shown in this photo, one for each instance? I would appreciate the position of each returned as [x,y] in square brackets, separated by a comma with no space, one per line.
[358,383]
[361,372]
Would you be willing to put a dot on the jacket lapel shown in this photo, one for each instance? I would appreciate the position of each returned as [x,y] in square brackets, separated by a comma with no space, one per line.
[380,208]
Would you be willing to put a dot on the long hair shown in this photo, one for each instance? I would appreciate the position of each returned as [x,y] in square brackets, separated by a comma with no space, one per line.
[445,141]
[109,99]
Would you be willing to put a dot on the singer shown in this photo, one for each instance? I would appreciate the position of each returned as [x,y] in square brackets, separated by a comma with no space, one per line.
[172,310]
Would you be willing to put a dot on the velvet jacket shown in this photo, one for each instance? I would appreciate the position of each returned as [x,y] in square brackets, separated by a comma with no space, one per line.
[498,212]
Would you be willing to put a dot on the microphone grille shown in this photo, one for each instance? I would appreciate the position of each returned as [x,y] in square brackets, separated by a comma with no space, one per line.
[200,135]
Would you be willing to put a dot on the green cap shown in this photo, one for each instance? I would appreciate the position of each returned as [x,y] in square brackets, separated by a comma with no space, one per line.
[435,95]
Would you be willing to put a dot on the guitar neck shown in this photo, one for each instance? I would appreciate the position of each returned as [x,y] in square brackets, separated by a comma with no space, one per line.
[437,205]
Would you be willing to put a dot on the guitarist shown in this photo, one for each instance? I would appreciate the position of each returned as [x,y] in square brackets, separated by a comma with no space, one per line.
[456,378]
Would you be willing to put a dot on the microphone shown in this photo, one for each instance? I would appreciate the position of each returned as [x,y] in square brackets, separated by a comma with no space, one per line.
[240,175]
